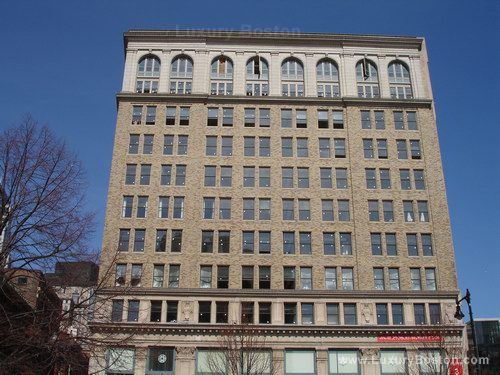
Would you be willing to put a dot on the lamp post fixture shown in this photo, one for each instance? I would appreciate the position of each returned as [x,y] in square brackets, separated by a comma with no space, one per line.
[460,315]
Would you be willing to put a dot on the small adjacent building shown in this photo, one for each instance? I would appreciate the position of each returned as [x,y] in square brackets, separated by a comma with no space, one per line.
[488,342]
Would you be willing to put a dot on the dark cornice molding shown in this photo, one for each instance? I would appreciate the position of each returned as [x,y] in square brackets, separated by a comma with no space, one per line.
[275,330]
[269,100]
[283,38]
[279,293]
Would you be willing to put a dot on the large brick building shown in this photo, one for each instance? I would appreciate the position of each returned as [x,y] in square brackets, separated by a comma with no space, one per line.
[287,180]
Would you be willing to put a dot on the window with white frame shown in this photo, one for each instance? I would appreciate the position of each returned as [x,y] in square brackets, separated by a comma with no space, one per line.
[399,80]
[181,75]
[257,77]
[327,77]
[221,76]
[367,79]
[292,77]
[148,74]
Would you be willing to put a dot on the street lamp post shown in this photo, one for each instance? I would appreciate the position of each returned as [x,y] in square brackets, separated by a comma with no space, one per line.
[460,315]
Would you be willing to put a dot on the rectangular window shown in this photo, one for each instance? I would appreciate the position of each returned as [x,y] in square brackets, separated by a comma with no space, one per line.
[343,210]
[207,241]
[302,148]
[326,178]
[382,148]
[324,147]
[379,120]
[145,174]
[227,146]
[224,208]
[408,213]
[221,312]
[248,176]
[427,245]
[394,279]
[286,147]
[434,313]
[248,242]
[150,115]
[120,274]
[385,178]
[322,119]
[430,278]
[419,312]
[350,315]
[250,117]
[378,279]
[176,242]
[304,209]
[288,242]
[249,146]
[264,242]
[390,244]
[117,310]
[398,120]
[415,279]
[423,211]
[158,275]
[264,176]
[161,240]
[208,208]
[418,175]
[388,211]
[338,119]
[127,206]
[286,118]
[124,240]
[140,235]
[204,310]
[142,207]
[224,241]
[402,149]
[210,175]
[376,243]
[133,311]
[303,177]
[306,278]
[341,178]
[178,208]
[172,311]
[166,174]
[397,314]
[264,277]
[222,277]
[168,145]
[182,145]
[147,147]
[170,116]
[264,146]
[264,117]
[247,277]
[248,208]
[404,176]
[340,151]
[213,117]
[366,122]
[130,174]
[290,312]
[345,244]
[382,316]
[180,175]
[205,276]
[301,118]
[411,241]
[332,313]
[265,312]
[226,176]
[415,149]
[288,209]
[327,209]
[368,148]
[133,146]
[289,277]
[347,278]
[411,119]
[184,119]
[211,145]
[287,177]
[307,312]
[264,209]
[155,313]
[371,179]
[136,114]
[174,275]
[330,278]
[329,243]
[227,119]
[373,210]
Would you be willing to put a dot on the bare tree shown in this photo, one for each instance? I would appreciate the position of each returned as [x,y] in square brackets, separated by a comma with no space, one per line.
[41,199]
[241,350]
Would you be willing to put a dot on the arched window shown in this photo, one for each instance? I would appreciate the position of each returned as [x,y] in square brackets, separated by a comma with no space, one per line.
[399,81]
[221,76]
[148,74]
[257,76]
[292,77]
[181,75]
[327,76]
[367,79]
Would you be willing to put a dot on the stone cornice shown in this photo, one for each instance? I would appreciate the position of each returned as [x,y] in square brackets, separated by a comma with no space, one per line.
[281,293]
[269,100]
[285,38]
[274,330]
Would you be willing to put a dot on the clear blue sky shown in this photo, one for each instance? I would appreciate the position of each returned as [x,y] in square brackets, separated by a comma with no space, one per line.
[62,62]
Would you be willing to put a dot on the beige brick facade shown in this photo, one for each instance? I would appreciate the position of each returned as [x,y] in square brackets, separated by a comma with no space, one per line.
[186,336]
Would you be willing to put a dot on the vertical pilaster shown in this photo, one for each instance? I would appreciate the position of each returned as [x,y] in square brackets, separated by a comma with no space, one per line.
[370,362]
[184,360]
[322,362]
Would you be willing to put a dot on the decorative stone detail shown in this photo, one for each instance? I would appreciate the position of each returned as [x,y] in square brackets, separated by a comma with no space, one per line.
[369,353]
[449,313]
[187,310]
[186,352]
[367,312]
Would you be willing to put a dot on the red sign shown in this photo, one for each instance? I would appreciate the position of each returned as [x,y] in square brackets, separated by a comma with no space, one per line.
[406,339]
[456,367]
